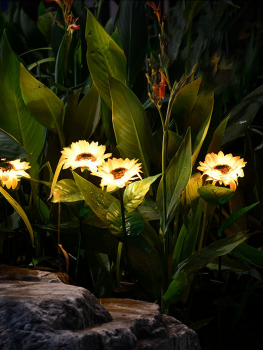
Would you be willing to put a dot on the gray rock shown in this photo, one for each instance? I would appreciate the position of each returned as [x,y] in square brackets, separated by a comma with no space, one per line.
[52,316]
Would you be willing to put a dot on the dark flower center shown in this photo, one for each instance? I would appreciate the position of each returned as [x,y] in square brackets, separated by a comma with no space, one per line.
[6,166]
[223,168]
[86,156]
[118,173]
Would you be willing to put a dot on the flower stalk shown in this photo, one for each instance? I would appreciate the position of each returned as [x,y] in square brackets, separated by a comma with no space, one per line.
[125,237]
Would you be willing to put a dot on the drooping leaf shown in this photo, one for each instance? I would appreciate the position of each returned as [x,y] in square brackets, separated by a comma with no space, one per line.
[130,123]
[215,145]
[133,31]
[43,104]
[10,147]
[106,117]
[15,118]
[233,217]
[86,117]
[200,259]
[242,115]
[66,191]
[133,221]
[176,289]
[177,177]
[249,254]
[20,211]
[98,200]
[215,195]
[136,191]
[104,57]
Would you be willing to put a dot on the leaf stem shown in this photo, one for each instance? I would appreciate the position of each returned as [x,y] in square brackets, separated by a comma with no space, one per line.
[79,243]
[59,215]
[219,258]
[125,237]
[203,229]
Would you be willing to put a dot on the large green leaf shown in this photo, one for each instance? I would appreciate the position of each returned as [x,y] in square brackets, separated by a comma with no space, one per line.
[148,209]
[10,148]
[98,200]
[249,254]
[215,145]
[177,177]
[200,259]
[187,238]
[200,138]
[20,211]
[131,127]
[43,104]
[86,117]
[132,27]
[174,142]
[215,195]
[184,103]
[242,115]
[136,191]
[15,118]
[233,217]
[176,289]
[104,57]
[133,221]
[66,191]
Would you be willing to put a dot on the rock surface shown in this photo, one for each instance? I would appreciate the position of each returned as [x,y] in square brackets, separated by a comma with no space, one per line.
[52,316]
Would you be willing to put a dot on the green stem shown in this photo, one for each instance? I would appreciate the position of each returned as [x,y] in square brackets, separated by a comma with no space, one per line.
[68,43]
[59,215]
[79,243]
[125,237]
[219,258]
[189,40]
[203,229]
[161,116]
[118,263]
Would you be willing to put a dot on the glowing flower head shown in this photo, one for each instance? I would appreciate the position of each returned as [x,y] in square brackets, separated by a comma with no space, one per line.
[223,169]
[12,171]
[117,173]
[83,154]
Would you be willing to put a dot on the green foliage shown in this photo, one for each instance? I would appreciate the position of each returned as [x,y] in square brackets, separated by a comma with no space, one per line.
[104,57]
[131,127]
[215,195]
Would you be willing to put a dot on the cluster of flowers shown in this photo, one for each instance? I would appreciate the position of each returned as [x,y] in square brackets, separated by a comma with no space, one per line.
[118,173]
[115,173]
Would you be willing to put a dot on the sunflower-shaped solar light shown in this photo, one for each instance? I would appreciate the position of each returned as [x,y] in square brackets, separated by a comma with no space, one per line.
[12,171]
[83,154]
[223,169]
[118,173]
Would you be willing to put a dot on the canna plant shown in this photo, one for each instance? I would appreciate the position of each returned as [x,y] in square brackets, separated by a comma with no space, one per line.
[150,217]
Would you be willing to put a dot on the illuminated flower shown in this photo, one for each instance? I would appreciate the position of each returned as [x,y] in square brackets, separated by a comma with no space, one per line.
[12,171]
[117,173]
[223,169]
[156,10]
[83,154]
